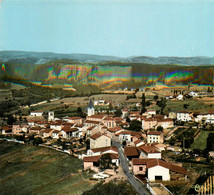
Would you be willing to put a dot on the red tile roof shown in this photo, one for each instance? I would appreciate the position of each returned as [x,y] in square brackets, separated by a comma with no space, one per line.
[130,151]
[139,161]
[98,116]
[149,149]
[74,118]
[154,133]
[174,168]
[109,119]
[47,130]
[90,128]
[132,133]
[104,149]
[95,136]
[70,130]
[113,156]
[114,129]
[92,122]
[91,159]
[35,128]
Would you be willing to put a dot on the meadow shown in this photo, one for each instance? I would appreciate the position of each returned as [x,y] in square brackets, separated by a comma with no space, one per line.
[29,169]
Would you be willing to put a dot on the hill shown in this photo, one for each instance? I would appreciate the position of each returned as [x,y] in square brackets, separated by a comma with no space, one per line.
[44,57]
[37,170]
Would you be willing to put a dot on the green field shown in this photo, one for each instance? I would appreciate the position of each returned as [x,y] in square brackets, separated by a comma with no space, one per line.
[201,140]
[37,170]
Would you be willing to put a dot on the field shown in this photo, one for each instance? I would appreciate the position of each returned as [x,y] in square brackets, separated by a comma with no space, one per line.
[36,170]
[201,140]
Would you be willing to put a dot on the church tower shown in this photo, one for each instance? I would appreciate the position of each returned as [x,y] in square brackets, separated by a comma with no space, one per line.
[50,116]
[90,108]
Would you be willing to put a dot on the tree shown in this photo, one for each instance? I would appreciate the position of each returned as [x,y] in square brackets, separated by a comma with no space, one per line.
[118,112]
[37,141]
[156,97]
[162,104]
[79,110]
[128,120]
[11,119]
[135,125]
[143,104]
[160,128]
[185,106]
[105,161]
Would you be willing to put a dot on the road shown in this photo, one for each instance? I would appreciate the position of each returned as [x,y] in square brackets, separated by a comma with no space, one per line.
[139,187]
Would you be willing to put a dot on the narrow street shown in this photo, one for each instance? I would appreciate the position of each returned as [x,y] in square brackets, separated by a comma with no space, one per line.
[140,188]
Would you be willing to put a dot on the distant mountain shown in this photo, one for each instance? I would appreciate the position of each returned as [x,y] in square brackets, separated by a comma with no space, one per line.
[174,60]
[44,57]
[23,57]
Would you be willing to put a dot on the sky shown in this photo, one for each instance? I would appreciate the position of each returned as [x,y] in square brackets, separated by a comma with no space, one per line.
[124,28]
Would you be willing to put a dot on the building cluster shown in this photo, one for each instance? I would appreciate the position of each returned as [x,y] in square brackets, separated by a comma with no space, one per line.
[141,148]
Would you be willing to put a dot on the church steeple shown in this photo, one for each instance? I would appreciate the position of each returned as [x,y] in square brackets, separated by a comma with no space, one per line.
[90,108]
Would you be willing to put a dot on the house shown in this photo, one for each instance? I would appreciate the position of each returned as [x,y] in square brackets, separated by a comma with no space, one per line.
[99,140]
[103,150]
[180,97]
[6,130]
[149,151]
[161,170]
[134,115]
[92,162]
[155,121]
[125,113]
[16,128]
[55,134]
[127,136]
[68,132]
[131,152]
[96,117]
[154,137]
[36,113]
[139,143]
[109,122]
[193,94]
[36,130]
[74,120]
[156,169]
[111,131]
[150,113]
[57,125]
[47,133]
[165,123]
[184,116]
[206,117]
[148,123]
[139,166]
[89,123]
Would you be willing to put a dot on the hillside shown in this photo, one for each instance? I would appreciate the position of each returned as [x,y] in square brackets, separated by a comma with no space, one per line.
[37,170]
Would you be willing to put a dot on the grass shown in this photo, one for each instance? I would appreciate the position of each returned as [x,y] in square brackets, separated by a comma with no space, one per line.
[36,170]
[201,140]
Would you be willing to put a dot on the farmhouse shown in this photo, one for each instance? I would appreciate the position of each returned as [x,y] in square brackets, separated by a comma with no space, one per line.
[99,140]
[154,137]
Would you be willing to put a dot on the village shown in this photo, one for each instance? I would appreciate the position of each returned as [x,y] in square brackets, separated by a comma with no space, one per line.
[145,139]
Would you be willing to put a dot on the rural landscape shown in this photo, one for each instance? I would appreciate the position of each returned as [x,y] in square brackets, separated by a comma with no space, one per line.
[111,97]
[86,138]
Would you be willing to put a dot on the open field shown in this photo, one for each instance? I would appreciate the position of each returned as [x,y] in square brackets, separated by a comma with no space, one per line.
[74,102]
[36,170]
